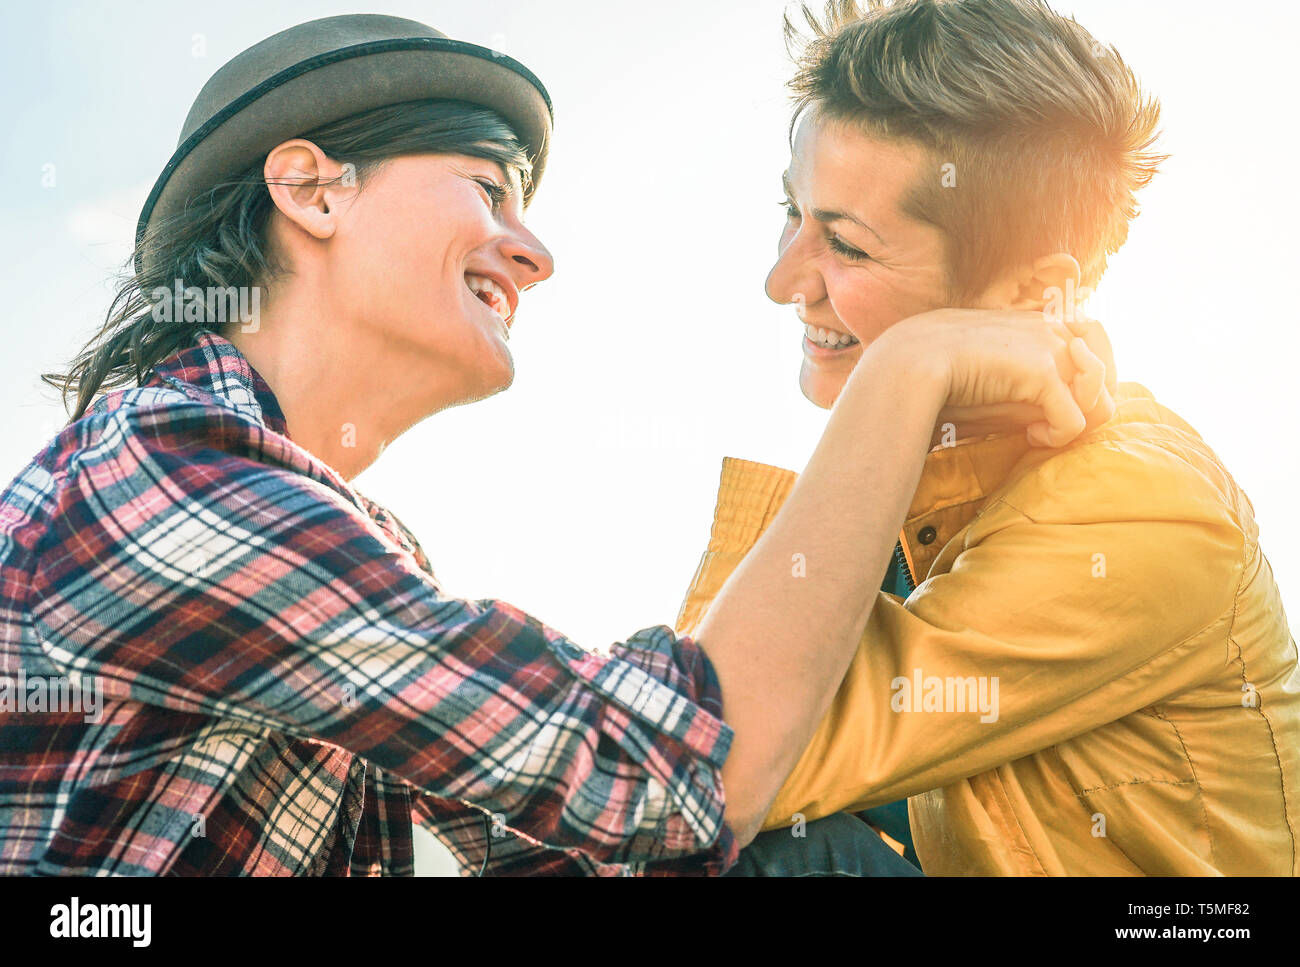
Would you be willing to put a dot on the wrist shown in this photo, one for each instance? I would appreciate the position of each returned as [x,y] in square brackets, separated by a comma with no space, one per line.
[901,352]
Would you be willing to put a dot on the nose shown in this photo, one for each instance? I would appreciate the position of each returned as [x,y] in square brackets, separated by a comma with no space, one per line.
[793,278]
[530,261]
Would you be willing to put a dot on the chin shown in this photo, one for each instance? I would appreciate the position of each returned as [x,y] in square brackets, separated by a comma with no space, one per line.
[493,365]
[477,377]
[498,381]
[819,388]
[504,383]
[504,372]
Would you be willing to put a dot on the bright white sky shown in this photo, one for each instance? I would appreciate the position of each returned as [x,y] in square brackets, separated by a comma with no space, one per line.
[585,493]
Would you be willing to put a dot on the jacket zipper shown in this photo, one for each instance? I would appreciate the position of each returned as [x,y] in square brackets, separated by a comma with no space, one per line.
[902,566]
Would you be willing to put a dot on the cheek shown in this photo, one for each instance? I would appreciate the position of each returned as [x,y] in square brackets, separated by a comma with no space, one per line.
[383,261]
[412,249]
[407,254]
[868,304]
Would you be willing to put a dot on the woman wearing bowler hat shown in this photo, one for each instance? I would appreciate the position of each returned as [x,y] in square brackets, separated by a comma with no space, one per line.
[336,251]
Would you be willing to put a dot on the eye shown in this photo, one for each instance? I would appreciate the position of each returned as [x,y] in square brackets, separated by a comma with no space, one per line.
[791,211]
[840,247]
[496,193]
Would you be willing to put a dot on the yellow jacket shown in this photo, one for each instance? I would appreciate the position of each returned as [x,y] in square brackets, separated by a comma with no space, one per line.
[1094,675]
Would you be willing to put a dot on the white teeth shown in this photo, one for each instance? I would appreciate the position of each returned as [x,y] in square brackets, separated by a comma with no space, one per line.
[496,296]
[829,338]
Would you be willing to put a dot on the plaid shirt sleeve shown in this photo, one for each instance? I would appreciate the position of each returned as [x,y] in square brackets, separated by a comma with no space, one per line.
[190,569]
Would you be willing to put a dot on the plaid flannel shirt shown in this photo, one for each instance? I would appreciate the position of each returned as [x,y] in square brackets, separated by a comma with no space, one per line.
[285,685]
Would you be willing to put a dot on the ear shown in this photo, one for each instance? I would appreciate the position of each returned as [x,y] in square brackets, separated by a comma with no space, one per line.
[1047,278]
[302,184]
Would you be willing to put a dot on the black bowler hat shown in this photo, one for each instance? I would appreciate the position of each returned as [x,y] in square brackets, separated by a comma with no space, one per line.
[326,70]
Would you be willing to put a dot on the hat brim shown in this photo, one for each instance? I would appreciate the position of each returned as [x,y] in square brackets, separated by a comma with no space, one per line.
[341,83]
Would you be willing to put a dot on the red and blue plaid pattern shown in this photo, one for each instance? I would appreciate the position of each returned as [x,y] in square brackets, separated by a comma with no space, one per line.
[285,685]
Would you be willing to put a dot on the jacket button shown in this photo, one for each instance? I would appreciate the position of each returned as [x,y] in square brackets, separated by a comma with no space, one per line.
[926,535]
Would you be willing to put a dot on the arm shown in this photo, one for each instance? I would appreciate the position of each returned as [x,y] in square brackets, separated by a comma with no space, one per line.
[187,576]
[772,634]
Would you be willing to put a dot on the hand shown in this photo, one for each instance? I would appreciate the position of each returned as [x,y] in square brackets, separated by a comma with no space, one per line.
[956,422]
[980,420]
[1092,333]
[1001,368]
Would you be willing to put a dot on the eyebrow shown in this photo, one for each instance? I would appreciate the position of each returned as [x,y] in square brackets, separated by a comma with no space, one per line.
[827,215]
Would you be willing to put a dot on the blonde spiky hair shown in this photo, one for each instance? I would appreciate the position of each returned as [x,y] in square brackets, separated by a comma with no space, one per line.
[1048,130]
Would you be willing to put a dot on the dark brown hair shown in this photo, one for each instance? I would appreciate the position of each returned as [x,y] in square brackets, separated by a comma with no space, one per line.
[1047,131]
[220,241]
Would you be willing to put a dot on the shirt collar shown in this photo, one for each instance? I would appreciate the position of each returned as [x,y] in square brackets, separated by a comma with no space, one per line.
[212,369]
[212,366]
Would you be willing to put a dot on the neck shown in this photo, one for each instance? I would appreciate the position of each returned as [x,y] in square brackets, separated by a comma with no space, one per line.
[338,384]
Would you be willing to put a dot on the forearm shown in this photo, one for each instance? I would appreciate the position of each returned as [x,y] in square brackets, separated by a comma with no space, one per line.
[780,640]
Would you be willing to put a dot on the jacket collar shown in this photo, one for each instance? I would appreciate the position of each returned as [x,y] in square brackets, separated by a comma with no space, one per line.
[956,481]
[213,369]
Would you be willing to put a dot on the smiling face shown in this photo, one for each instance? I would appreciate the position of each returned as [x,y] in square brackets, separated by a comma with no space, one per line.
[431,254]
[851,262]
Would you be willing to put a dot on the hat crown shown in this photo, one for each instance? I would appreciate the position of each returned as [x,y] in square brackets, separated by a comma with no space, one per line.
[321,72]
[266,58]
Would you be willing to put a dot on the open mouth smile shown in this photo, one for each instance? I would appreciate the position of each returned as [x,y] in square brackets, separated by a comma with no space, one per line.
[828,340]
[494,295]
